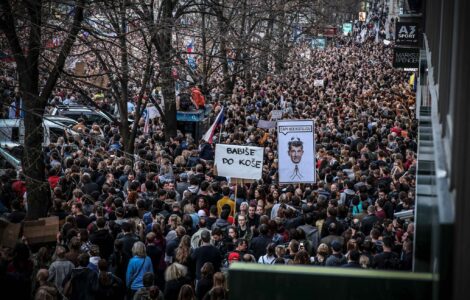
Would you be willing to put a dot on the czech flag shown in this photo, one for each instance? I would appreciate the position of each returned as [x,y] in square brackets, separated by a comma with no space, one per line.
[219,120]
[189,47]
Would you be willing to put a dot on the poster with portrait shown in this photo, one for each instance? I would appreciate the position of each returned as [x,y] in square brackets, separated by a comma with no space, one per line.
[296,151]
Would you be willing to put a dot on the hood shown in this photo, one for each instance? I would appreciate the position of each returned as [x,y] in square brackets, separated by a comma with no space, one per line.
[79,271]
[193,189]
[221,223]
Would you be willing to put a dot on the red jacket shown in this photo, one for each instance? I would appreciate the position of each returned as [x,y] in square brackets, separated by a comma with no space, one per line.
[198,97]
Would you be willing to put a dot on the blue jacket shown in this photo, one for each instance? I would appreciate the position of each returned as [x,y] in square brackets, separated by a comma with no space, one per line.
[134,265]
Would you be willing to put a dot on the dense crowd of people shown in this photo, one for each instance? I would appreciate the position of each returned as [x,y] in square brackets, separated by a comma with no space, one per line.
[166,226]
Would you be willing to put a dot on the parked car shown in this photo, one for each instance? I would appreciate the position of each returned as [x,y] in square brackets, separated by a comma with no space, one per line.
[13,131]
[89,115]
[10,157]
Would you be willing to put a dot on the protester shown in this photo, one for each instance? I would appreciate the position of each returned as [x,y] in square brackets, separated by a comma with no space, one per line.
[138,266]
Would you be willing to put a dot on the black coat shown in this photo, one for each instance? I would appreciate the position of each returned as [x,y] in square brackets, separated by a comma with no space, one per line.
[90,187]
[104,240]
[258,245]
[84,284]
[205,254]
[351,265]
[368,223]
[203,287]
[128,241]
[172,287]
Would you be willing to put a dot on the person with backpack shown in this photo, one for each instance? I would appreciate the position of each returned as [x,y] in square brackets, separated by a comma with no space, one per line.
[150,290]
[206,253]
[270,257]
[138,266]
[387,259]
[109,285]
[81,283]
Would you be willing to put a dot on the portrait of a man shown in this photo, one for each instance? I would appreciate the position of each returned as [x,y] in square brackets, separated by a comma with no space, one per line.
[296,150]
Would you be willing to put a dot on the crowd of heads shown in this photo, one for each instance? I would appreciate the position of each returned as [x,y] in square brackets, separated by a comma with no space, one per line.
[160,222]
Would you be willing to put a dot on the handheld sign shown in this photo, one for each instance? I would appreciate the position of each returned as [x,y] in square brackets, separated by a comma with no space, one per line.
[296,151]
[266,124]
[318,82]
[239,161]
[276,115]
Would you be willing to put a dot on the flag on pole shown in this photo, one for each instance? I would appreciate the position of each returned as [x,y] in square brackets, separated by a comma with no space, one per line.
[147,122]
[189,47]
[218,121]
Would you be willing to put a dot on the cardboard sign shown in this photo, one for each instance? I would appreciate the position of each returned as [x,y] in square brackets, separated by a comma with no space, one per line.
[276,115]
[239,161]
[80,68]
[266,124]
[42,230]
[9,233]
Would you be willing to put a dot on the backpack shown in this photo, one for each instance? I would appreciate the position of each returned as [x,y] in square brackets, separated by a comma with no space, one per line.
[349,199]
[264,263]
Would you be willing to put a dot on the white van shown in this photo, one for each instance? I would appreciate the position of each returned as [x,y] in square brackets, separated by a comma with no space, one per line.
[12,131]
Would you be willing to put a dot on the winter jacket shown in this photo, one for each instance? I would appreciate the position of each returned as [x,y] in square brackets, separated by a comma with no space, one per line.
[136,269]
[84,283]
[103,239]
[58,270]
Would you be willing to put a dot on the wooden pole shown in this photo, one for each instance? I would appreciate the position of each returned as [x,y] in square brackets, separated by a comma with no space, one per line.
[235,197]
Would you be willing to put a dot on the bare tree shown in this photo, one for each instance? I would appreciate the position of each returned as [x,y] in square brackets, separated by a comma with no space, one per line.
[22,23]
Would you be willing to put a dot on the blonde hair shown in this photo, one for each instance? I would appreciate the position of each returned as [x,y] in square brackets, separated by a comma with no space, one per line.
[175,271]
[138,249]
[364,262]
[219,280]
[323,249]
[189,208]
[180,161]
[183,250]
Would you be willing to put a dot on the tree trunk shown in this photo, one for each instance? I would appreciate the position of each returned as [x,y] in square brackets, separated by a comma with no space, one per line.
[38,189]
[34,103]
[219,11]
[165,62]
[124,97]
[267,40]
[205,70]
[281,53]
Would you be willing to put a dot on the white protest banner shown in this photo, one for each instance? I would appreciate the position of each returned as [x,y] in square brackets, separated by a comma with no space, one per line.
[266,124]
[296,151]
[239,161]
[276,115]
[153,112]
[318,82]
